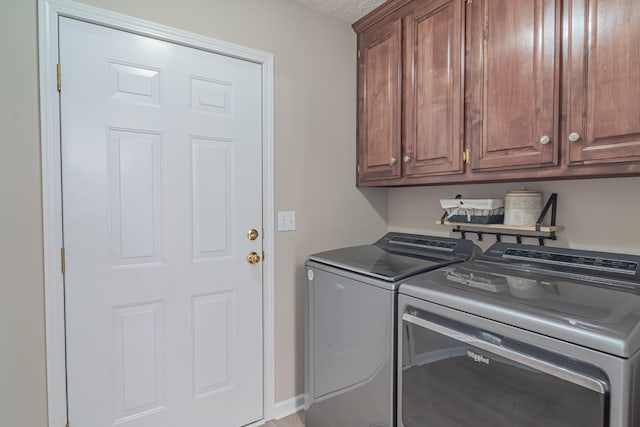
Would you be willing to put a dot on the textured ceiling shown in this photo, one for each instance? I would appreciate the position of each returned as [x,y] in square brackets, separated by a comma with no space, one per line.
[348,11]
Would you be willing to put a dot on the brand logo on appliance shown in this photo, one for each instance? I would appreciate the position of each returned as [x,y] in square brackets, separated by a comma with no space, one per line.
[477,357]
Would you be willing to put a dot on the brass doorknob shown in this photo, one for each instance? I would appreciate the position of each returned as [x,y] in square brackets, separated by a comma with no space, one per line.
[252,234]
[253,258]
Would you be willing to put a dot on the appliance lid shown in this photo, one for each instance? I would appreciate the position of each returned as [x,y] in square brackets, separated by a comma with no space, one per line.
[398,255]
[594,308]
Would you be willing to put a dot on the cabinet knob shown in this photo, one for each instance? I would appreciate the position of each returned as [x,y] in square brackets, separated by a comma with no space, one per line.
[574,136]
[406,159]
[545,140]
[393,161]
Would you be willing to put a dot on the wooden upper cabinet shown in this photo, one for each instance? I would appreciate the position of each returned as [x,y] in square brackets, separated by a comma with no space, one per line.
[439,77]
[379,102]
[432,89]
[512,83]
[602,78]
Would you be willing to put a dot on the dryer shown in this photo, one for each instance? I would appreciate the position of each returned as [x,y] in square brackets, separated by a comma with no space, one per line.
[522,336]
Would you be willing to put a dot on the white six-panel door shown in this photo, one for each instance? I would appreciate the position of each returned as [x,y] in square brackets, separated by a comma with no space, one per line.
[161,167]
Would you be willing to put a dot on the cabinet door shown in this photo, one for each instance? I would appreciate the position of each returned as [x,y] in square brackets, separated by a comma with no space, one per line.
[379,107]
[513,83]
[433,90]
[603,80]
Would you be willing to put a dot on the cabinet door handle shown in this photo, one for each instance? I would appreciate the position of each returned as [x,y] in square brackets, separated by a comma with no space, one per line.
[574,136]
[393,161]
[406,159]
[545,140]
[466,156]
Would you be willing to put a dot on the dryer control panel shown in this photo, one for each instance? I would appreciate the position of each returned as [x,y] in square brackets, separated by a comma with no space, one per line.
[600,264]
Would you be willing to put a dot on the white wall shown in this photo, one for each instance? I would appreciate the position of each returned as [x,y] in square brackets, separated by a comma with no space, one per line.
[315,93]
[22,367]
[598,214]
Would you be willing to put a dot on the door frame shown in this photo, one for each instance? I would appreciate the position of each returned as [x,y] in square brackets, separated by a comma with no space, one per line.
[48,13]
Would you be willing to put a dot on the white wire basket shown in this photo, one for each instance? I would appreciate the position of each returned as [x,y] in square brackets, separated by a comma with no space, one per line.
[475,211]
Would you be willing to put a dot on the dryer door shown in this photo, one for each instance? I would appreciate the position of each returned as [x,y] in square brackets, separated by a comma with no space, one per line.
[457,375]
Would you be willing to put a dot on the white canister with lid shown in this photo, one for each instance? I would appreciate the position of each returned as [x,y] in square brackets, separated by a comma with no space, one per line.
[522,207]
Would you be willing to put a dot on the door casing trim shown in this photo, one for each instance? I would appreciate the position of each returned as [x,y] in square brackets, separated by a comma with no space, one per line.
[48,13]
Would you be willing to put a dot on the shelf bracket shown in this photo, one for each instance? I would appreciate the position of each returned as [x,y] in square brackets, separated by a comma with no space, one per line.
[551,203]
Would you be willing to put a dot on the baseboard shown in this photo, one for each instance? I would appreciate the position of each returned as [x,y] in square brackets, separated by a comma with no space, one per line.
[288,407]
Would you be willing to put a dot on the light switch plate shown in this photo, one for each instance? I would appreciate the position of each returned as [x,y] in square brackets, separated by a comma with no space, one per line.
[286,220]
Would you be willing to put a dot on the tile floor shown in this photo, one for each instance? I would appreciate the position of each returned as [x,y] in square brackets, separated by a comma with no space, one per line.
[295,420]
